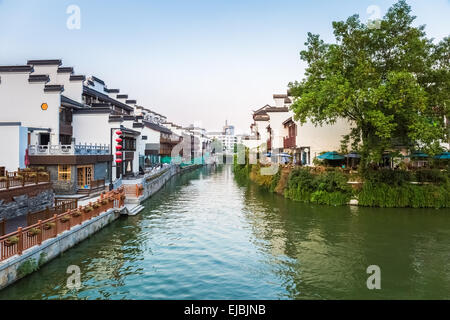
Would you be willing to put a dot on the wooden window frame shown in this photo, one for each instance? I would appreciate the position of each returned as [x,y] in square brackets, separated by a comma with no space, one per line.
[62,172]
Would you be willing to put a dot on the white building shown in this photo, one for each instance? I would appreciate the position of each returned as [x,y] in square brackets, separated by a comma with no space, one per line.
[275,127]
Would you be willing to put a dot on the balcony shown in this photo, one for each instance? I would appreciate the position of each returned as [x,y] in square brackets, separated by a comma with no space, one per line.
[68,150]
[289,142]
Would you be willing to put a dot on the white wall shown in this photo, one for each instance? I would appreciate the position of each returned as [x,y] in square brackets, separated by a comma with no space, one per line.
[320,139]
[92,128]
[14,144]
[278,130]
[20,101]
[262,130]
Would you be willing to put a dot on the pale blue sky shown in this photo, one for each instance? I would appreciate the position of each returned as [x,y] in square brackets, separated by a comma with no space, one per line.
[194,61]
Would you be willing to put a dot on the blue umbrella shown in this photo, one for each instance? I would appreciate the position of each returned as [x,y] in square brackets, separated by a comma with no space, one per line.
[443,155]
[331,156]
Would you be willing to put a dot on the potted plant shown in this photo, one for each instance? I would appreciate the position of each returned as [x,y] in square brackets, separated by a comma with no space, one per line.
[49,225]
[88,209]
[76,214]
[96,205]
[34,232]
[105,201]
[11,241]
[65,218]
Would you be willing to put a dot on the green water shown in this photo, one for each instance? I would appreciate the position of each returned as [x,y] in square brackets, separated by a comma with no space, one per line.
[204,236]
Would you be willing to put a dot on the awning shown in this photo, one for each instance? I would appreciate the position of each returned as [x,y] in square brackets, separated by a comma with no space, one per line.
[331,156]
[442,156]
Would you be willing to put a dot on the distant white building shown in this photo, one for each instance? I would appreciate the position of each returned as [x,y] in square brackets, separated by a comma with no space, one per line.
[226,137]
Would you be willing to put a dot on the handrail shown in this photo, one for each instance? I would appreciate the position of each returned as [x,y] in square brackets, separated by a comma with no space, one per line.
[24,238]
[68,149]
[23,178]
[61,206]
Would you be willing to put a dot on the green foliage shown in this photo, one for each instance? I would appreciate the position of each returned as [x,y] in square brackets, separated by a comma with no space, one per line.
[392,83]
[431,175]
[42,259]
[27,267]
[275,181]
[329,188]
[406,195]
[393,177]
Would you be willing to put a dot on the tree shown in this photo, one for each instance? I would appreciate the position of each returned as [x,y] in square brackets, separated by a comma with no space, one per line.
[391,83]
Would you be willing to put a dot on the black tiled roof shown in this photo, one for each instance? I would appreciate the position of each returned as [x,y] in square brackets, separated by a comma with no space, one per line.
[106,98]
[54,88]
[157,127]
[16,69]
[52,62]
[39,78]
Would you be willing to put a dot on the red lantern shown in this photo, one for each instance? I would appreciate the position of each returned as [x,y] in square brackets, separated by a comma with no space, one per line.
[118,132]
[119,140]
[119,161]
[119,147]
[118,154]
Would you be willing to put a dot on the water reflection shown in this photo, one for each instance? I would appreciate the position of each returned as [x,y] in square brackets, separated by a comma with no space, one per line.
[205,236]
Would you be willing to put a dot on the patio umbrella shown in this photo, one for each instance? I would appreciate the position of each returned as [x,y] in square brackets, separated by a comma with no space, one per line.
[353,156]
[443,156]
[331,156]
[284,155]
[418,154]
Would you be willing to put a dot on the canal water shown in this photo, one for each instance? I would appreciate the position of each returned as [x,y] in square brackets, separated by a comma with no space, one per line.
[205,236]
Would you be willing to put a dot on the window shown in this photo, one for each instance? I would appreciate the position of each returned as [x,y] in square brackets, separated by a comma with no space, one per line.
[64,172]
[44,139]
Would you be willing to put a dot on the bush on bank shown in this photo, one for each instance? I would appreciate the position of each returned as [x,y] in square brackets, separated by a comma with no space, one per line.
[329,188]
[393,189]
[424,188]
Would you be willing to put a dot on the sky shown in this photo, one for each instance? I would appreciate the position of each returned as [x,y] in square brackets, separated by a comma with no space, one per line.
[196,62]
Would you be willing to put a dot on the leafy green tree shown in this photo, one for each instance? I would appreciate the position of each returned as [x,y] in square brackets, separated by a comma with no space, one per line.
[391,83]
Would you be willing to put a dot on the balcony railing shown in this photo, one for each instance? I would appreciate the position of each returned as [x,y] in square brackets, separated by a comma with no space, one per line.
[70,149]
[289,142]
[22,179]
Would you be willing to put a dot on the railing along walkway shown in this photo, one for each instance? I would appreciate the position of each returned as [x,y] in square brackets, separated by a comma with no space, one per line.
[25,238]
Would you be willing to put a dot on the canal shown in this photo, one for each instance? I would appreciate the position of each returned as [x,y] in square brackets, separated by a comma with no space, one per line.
[204,236]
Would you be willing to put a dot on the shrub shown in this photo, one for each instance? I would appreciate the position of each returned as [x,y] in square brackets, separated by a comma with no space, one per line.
[408,195]
[27,267]
[88,209]
[275,181]
[393,177]
[329,187]
[96,205]
[431,175]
